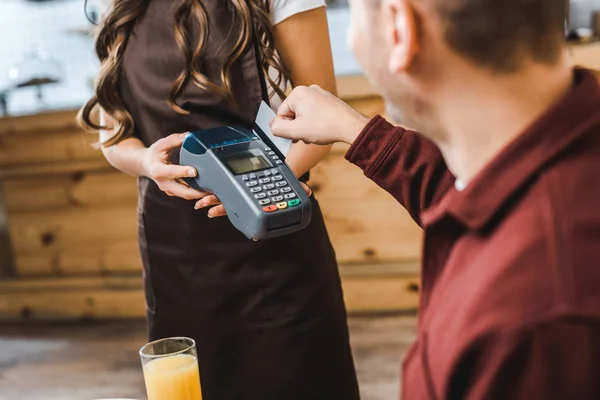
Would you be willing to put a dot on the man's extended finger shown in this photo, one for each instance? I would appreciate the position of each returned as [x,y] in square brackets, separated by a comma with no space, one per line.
[169,142]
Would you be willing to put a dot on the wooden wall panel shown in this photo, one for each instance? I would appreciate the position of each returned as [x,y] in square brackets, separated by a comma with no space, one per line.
[365,223]
[47,146]
[119,257]
[57,299]
[587,55]
[70,229]
[77,190]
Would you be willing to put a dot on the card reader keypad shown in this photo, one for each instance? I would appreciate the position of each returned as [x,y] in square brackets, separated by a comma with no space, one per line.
[270,189]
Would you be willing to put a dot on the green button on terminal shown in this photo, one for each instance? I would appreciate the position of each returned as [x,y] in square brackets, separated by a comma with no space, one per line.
[293,203]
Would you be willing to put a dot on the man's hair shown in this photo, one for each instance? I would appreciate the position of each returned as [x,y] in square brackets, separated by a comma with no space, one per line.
[502,34]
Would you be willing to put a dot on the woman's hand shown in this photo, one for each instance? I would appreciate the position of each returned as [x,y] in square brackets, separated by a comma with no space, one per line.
[168,177]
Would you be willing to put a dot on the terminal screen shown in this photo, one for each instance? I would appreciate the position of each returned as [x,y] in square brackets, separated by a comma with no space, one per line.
[248,161]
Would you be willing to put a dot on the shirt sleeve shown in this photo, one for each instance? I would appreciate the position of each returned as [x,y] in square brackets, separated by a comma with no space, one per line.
[283,9]
[556,362]
[402,162]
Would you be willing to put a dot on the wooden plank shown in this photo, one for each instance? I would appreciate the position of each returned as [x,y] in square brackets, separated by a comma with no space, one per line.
[72,302]
[587,55]
[352,87]
[365,223]
[43,121]
[379,269]
[120,257]
[122,296]
[369,106]
[47,146]
[71,229]
[50,169]
[381,293]
[80,189]
[109,282]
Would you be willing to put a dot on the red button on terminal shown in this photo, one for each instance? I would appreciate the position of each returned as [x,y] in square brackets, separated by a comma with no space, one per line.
[270,208]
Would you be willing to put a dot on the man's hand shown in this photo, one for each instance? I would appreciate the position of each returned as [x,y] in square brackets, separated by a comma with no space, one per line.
[314,115]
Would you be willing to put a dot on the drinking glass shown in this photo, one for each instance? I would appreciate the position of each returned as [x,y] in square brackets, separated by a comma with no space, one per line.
[170,368]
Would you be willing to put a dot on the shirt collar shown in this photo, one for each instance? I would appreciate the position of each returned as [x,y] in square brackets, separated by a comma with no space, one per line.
[517,164]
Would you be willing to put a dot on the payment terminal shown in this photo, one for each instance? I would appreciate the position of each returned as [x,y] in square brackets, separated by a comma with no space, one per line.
[247,172]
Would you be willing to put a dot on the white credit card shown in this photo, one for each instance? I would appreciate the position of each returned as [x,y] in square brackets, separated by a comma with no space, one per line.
[263,120]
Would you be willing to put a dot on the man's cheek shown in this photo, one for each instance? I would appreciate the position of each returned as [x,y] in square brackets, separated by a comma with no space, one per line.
[357,45]
[351,39]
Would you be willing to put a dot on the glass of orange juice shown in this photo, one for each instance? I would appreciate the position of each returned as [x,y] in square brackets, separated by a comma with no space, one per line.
[171,369]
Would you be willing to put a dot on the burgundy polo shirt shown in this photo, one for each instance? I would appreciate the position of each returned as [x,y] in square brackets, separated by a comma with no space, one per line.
[510,301]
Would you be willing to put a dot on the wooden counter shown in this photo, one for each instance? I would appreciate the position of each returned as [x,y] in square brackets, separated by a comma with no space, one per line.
[73,233]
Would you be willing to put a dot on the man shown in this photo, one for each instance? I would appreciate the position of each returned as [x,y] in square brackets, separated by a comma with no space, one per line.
[505,182]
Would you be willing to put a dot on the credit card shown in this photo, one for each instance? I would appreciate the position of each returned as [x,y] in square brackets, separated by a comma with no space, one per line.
[263,120]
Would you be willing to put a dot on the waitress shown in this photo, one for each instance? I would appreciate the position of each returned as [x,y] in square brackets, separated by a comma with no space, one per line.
[268,317]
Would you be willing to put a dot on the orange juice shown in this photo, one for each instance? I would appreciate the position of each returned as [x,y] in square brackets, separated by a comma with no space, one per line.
[173,378]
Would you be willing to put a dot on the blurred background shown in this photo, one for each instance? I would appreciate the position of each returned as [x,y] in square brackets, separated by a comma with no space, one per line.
[71,300]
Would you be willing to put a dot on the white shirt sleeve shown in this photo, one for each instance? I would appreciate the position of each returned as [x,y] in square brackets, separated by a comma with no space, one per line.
[283,9]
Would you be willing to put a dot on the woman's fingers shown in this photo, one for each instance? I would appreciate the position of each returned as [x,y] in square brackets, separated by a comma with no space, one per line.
[169,142]
[161,171]
[208,200]
[217,211]
[176,189]
[306,188]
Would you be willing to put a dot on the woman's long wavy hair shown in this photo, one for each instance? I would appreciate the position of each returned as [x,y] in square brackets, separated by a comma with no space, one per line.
[252,21]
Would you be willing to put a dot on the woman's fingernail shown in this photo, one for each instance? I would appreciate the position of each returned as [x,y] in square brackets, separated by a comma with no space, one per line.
[182,136]
[191,172]
[210,216]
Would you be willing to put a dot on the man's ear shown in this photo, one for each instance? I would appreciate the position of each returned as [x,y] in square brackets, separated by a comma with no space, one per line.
[401,32]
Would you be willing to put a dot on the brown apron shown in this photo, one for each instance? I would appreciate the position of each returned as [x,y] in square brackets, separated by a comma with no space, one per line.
[268,317]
